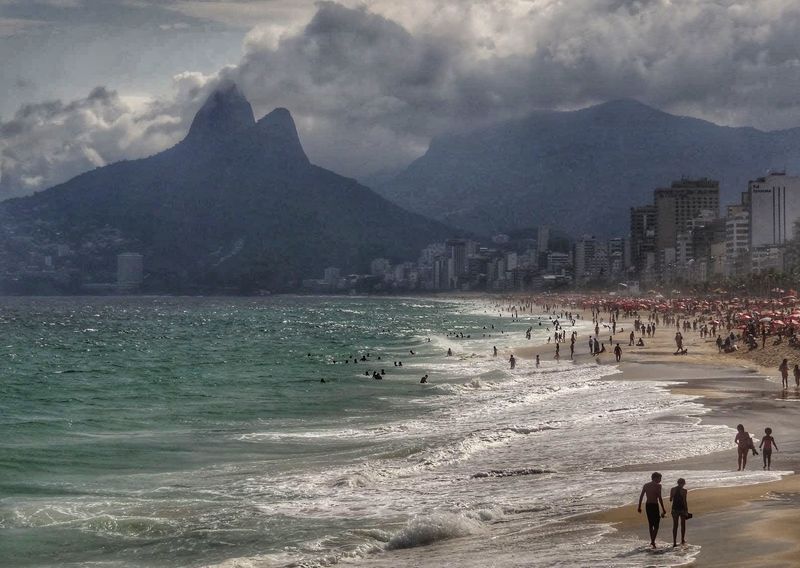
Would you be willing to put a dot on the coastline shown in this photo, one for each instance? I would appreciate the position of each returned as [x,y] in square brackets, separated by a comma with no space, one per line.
[736,388]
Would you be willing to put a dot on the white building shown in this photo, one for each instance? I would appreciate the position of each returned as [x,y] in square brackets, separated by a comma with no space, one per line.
[737,239]
[774,209]
[766,258]
[584,254]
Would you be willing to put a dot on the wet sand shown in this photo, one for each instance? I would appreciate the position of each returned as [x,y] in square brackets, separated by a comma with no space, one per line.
[752,525]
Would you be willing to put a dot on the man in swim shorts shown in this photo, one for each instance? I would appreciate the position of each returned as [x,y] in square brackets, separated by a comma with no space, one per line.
[653,492]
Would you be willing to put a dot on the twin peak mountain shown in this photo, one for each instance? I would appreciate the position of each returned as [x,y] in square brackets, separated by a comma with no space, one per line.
[235,205]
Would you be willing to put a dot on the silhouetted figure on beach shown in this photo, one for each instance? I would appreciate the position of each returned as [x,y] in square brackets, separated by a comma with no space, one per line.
[784,369]
[652,490]
[766,445]
[512,361]
[618,352]
[744,443]
[680,511]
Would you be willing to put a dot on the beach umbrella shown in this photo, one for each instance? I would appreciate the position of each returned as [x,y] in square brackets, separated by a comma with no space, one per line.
[765,320]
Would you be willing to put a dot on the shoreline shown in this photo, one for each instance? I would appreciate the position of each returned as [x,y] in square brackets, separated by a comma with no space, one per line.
[734,389]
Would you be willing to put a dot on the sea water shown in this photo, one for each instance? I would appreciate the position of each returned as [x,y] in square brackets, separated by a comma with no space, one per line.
[172,432]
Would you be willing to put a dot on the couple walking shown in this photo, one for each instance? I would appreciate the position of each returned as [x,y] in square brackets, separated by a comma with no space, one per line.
[680,508]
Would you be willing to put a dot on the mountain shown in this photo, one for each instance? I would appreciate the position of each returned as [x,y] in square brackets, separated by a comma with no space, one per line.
[580,170]
[236,204]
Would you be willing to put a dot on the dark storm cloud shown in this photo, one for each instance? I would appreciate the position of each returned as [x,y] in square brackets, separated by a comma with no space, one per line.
[370,86]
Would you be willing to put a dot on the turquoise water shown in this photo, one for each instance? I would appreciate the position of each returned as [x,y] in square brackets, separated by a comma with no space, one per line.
[165,432]
[128,423]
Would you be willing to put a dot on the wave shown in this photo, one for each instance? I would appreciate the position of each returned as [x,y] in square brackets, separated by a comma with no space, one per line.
[422,531]
[359,479]
[510,472]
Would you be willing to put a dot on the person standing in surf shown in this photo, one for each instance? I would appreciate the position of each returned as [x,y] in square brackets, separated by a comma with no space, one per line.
[766,445]
[680,511]
[784,369]
[652,490]
[744,443]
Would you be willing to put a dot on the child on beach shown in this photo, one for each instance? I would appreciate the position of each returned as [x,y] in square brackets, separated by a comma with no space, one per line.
[767,443]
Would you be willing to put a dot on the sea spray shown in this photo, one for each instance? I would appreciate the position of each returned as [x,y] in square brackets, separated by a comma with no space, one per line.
[425,530]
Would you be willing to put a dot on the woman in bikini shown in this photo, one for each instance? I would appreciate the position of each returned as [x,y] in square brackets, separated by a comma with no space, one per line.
[744,443]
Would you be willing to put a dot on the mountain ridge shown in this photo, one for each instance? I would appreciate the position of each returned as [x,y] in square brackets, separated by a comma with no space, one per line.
[580,169]
[233,205]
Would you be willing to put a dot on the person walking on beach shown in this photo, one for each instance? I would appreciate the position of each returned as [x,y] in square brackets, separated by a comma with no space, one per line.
[632,338]
[784,369]
[680,511]
[558,351]
[618,352]
[652,490]
[767,443]
[537,361]
[744,444]
[512,361]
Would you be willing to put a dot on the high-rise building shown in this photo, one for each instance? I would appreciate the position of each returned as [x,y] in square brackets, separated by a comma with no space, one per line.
[456,250]
[543,239]
[130,270]
[380,267]
[331,275]
[643,237]
[678,204]
[737,239]
[774,209]
[584,255]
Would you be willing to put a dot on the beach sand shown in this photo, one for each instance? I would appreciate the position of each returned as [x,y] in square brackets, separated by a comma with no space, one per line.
[752,525]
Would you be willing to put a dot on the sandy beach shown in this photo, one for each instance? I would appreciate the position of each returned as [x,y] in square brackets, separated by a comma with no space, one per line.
[752,525]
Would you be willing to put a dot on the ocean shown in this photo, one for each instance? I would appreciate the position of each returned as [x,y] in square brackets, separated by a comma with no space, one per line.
[169,431]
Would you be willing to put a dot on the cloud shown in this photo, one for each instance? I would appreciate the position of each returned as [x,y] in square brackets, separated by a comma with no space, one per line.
[14,26]
[47,143]
[371,82]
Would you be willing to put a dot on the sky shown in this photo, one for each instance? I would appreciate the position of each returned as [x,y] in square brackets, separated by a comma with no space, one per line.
[370,82]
